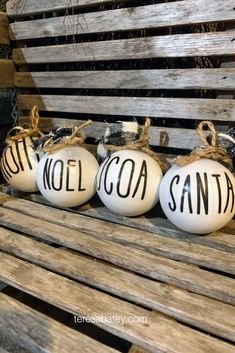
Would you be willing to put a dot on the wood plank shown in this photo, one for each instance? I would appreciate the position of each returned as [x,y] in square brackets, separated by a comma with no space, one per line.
[178,45]
[142,17]
[7,70]
[220,79]
[38,333]
[159,136]
[4,29]
[181,108]
[152,266]
[136,349]
[83,301]
[179,304]
[150,223]
[16,8]
[3,350]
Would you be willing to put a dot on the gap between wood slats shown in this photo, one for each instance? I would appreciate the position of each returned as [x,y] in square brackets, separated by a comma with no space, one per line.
[7,70]
[4,28]
[220,79]
[181,305]
[37,332]
[190,108]
[81,300]
[179,45]
[159,136]
[17,8]
[151,16]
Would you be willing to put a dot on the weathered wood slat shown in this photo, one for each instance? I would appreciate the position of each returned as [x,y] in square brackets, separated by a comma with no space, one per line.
[190,108]
[179,45]
[184,306]
[7,70]
[80,300]
[38,333]
[4,29]
[139,261]
[28,7]
[152,16]
[3,350]
[152,224]
[159,136]
[220,79]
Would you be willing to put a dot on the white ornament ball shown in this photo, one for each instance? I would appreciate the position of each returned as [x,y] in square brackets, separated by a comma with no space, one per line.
[67,177]
[199,197]
[19,165]
[128,182]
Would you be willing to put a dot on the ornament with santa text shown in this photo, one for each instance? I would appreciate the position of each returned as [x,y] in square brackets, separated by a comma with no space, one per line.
[19,164]
[67,176]
[128,182]
[198,197]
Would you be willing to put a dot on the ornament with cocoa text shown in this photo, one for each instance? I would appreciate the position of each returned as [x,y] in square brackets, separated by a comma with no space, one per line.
[66,173]
[197,193]
[19,160]
[129,178]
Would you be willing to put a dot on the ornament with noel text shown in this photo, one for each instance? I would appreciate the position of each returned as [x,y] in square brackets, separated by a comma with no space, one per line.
[66,173]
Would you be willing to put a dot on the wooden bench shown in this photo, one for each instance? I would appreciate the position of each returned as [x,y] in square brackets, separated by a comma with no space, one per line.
[137,281]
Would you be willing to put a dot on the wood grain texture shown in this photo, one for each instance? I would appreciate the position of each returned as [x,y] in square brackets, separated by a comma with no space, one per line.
[135,349]
[151,222]
[152,16]
[81,300]
[38,333]
[220,79]
[190,108]
[179,304]
[17,8]
[4,29]
[153,266]
[7,70]
[179,45]
[158,136]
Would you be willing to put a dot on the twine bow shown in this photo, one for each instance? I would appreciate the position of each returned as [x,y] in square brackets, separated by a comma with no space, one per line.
[142,144]
[209,150]
[77,138]
[22,132]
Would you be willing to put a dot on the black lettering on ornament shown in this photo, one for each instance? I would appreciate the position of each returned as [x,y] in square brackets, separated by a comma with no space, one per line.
[202,192]
[229,190]
[53,174]
[173,206]
[123,184]
[217,176]
[186,190]
[9,167]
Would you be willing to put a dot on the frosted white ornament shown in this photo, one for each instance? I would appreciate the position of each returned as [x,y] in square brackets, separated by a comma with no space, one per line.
[67,177]
[199,197]
[19,165]
[128,182]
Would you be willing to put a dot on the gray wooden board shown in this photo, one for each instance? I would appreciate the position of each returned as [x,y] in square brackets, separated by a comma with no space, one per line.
[150,243]
[3,350]
[76,220]
[190,108]
[159,334]
[181,305]
[220,79]
[151,16]
[153,266]
[178,45]
[158,136]
[28,7]
[40,334]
